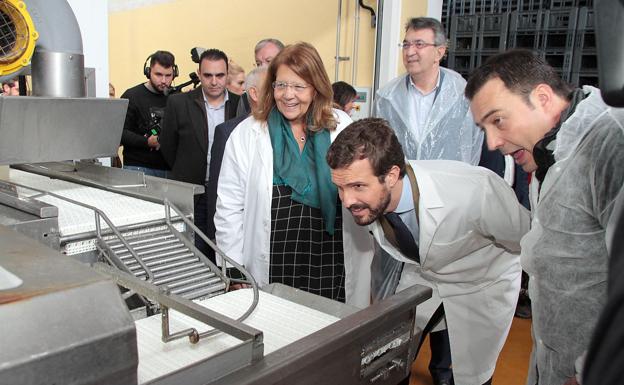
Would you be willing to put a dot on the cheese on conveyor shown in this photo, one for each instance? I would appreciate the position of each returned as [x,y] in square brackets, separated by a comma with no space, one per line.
[281,321]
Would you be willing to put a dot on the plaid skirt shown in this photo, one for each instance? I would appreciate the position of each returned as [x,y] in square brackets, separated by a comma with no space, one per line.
[303,254]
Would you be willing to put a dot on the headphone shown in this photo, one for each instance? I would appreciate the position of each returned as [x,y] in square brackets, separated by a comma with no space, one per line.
[147,69]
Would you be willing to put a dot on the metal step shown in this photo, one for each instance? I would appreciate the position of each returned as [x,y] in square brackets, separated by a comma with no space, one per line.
[182,269]
[206,292]
[163,263]
[195,286]
[173,278]
[137,238]
[149,244]
[180,282]
[170,261]
[146,252]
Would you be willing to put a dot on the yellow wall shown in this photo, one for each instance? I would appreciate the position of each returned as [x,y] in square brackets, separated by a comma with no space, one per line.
[409,9]
[235,26]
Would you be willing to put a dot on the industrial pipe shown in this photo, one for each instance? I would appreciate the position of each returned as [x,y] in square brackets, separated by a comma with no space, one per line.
[57,66]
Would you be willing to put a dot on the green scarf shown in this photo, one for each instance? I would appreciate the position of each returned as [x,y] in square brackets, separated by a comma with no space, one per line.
[306,173]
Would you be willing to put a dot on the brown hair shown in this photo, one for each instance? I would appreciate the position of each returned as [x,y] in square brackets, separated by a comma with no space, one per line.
[372,139]
[304,60]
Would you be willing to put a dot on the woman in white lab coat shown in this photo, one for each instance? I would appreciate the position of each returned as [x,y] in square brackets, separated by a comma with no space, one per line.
[278,212]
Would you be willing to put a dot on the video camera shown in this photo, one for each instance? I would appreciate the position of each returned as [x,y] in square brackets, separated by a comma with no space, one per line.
[195,55]
[154,126]
[194,81]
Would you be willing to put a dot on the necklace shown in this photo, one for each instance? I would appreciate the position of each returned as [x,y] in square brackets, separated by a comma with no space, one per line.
[302,138]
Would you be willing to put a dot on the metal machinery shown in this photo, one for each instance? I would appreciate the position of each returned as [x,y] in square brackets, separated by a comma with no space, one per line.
[72,233]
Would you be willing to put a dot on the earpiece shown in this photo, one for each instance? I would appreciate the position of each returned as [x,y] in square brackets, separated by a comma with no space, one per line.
[147,69]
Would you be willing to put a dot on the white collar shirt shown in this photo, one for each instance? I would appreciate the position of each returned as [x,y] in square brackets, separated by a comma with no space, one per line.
[215,115]
[422,104]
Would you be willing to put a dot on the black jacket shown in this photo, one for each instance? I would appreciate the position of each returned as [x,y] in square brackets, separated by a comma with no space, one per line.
[184,138]
[222,133]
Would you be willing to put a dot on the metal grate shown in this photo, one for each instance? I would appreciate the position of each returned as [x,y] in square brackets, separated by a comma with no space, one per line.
[165,258]
[13,33]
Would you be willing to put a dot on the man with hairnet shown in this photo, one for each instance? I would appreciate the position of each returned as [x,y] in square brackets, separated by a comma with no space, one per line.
[578,144]
[431,117]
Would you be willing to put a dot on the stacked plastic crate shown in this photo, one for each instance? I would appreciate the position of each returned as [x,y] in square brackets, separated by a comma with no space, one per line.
[478,29]
[558,40]
[525,29]
[491,36]
[463,43]
[560,31]
[585,60]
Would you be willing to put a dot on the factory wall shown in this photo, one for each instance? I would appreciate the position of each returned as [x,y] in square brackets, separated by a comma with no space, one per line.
[138,28]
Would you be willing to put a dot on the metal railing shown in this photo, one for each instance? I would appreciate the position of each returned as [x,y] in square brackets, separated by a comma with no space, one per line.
[163,297]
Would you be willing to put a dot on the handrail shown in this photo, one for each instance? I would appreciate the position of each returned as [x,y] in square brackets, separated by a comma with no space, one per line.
[167,300]
[252,281]
[98,230]
[99,214]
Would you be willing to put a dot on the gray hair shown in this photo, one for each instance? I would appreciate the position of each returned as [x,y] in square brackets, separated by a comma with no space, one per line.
[264,42]
[416,23]
[253,76]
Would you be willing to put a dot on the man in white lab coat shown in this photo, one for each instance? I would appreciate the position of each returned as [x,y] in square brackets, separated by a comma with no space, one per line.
[456,227]
[428,112]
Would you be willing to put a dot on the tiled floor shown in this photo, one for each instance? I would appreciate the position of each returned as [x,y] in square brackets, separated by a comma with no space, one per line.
[511,368]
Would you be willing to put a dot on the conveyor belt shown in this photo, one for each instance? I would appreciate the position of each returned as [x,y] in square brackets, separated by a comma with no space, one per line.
[159,254]
[281,321]
[121,209]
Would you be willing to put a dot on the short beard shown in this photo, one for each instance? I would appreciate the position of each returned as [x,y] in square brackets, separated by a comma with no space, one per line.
[375,212]
[155,88]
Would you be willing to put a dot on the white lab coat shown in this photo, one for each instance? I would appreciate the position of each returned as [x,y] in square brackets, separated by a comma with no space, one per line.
[470,226]
[243,215]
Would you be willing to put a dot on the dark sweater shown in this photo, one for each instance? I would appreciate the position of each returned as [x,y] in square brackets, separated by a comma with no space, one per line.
[142,103]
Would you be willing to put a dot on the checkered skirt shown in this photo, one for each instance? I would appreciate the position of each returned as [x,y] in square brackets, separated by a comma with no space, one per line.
[303,254]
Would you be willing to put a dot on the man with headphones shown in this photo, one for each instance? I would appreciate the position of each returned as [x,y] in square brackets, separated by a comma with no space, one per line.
[146,107]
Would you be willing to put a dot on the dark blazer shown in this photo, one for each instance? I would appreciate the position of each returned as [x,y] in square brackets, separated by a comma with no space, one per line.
[222,133]
[184,137]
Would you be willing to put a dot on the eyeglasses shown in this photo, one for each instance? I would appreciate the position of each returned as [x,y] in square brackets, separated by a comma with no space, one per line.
[282,86]
[419,44]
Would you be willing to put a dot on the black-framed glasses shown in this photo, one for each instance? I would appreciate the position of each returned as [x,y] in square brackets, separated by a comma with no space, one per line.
[419,44]
[282,86]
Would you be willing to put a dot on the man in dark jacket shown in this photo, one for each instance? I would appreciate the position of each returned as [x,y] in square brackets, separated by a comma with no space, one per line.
[189,127]
[253,82]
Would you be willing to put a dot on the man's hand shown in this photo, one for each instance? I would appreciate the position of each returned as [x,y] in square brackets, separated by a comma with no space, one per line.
[152,141]
[238,286]
[571,381]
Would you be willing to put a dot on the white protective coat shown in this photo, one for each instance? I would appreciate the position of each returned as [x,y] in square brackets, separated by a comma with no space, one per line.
[450,131]
[470,229]
[565,253]
[243,216]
